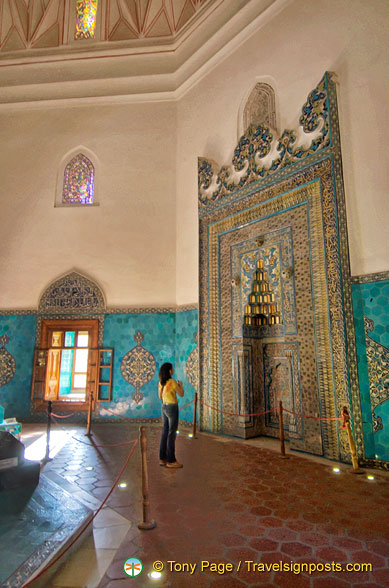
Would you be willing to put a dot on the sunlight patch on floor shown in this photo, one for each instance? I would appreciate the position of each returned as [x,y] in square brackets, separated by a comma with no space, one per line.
[58,439]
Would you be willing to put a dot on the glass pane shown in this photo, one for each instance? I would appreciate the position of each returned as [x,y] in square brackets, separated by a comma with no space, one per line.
[69,339]
[79,381]
[105,358]
[78,181]
[82,339]
[81,364]
[56,339]
[65,377]
[53,366]
[104,392]
[105,374]
[86,11]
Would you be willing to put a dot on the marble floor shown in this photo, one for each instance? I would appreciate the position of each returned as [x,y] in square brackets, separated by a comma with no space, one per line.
[33,526]
[233,502]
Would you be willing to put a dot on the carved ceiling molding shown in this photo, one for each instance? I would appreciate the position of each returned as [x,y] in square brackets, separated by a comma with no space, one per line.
[181,40]
[40,24]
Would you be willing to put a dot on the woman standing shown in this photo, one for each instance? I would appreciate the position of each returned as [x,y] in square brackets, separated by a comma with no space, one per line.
[167,392]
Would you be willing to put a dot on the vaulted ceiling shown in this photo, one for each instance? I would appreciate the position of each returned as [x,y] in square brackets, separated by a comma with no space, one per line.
[37,24]
[143,47]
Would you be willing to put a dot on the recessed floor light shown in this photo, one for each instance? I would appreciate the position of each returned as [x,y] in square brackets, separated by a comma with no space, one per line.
[154,575]
[336,470]
[190,435]
[370,478]
[122,485]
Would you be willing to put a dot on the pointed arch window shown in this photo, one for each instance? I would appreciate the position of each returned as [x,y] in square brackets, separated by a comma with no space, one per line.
[86,13]
[79,181]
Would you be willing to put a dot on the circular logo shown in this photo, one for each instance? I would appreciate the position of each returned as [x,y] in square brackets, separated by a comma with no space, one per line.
[132,566]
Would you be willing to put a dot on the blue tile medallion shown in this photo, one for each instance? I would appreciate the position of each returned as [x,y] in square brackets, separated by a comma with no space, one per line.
[138,367]
[7,362]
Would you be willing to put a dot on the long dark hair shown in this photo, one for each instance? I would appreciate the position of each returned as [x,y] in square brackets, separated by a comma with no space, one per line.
[164,373]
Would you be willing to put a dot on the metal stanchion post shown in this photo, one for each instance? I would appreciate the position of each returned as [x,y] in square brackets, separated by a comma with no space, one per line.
[346,424]
[49,411]
[282,433]
[147,523]
[194,415]
[89,421]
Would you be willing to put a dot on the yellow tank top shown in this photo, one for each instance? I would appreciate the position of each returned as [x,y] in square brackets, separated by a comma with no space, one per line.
[169,394]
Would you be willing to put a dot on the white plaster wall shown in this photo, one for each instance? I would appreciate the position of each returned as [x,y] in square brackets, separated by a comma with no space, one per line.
[348,37]
[141,243]
[127,244]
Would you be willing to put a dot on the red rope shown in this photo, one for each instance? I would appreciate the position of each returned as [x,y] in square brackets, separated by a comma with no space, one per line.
[304,416]
[137,418]
[187,404]
[87,524]
[236,414]
[123,417]
[93,445]
[271,410]
[233,413]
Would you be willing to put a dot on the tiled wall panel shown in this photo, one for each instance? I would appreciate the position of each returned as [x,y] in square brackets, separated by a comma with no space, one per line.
[371,316]
[15,394]
[167,337]
[186,355]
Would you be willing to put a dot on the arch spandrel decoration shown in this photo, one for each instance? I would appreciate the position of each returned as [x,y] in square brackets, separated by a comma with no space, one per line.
[260,154]
[260,107]
[290,181]
[73,294]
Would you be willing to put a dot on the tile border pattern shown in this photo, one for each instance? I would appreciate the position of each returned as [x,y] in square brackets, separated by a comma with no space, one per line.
[367,278]
[109,310]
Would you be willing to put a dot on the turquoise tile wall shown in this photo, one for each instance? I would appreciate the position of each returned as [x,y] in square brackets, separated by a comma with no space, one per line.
[372,301]
[159,332]
[169,337]
[186,329]
[15,395]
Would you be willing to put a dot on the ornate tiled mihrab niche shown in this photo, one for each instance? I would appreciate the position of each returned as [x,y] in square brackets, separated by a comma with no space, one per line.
[279,207]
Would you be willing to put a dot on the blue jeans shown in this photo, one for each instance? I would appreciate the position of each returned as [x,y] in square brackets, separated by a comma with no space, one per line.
[169,430]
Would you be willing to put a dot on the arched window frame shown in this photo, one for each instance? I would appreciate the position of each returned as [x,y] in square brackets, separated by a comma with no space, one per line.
[267,81]
[67,158]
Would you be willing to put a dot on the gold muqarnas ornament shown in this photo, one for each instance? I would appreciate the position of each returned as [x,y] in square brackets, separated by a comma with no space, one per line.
[262,308]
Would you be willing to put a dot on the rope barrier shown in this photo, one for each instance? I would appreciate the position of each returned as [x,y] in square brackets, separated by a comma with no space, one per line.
[187,404]
[305,416]
[94,445]
[124,417]
[236,414]
[60,416]
[136,418]
[54,419]
[88,523]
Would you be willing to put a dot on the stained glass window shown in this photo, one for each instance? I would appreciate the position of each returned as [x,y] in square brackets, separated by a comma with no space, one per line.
[78,181]
[86,11]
